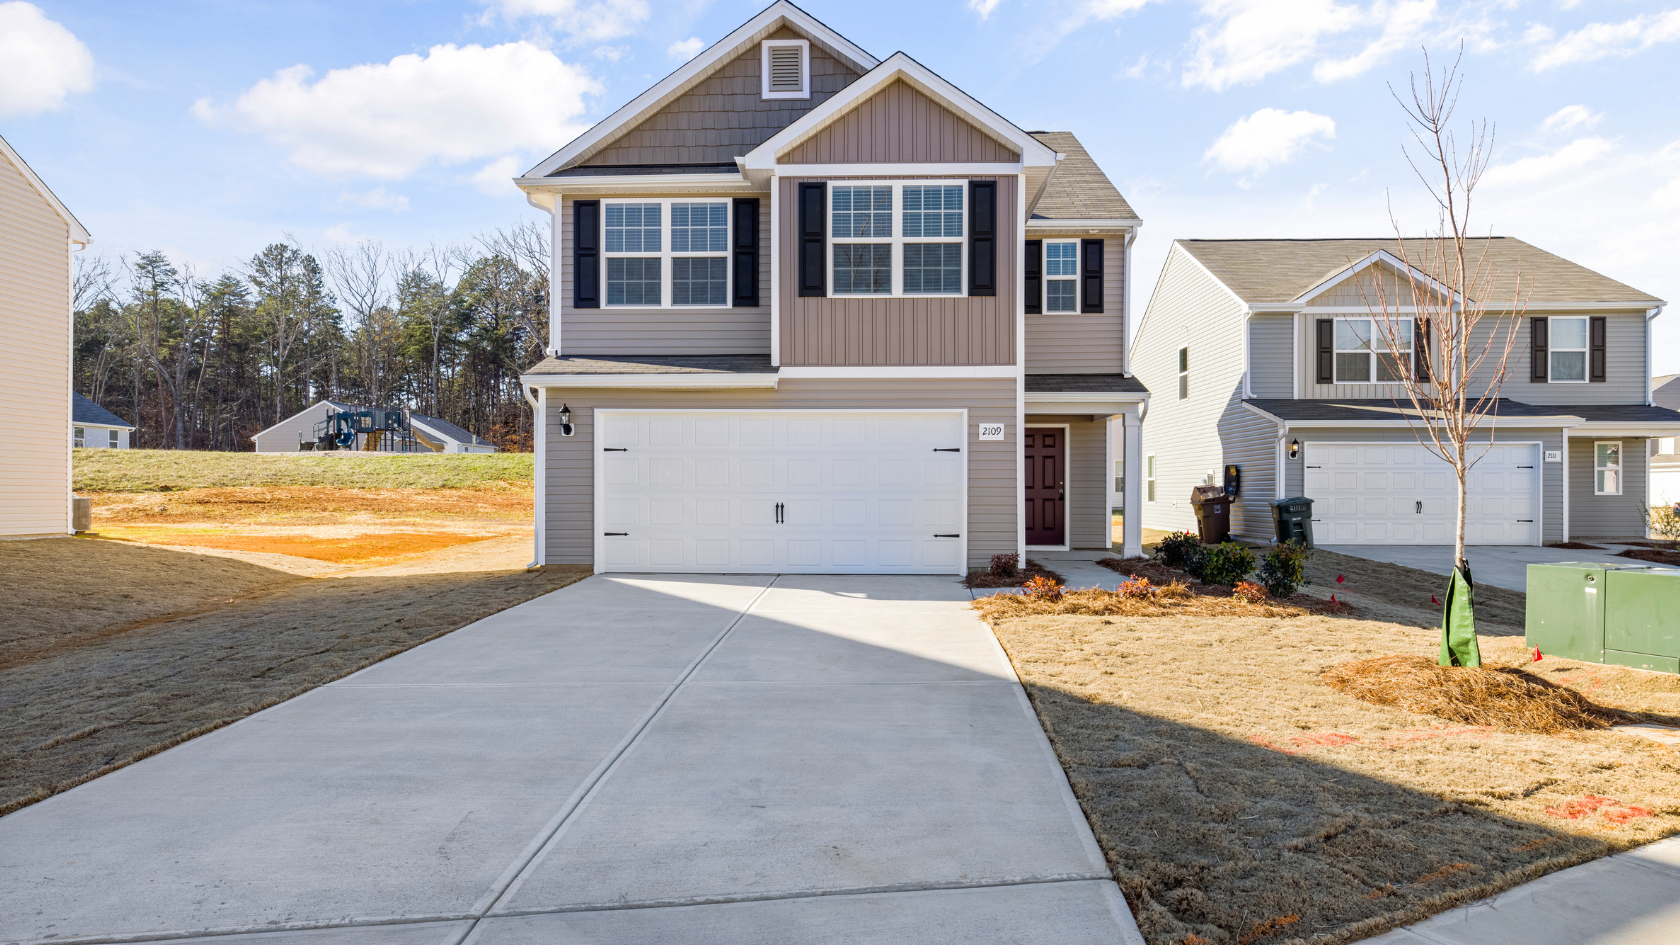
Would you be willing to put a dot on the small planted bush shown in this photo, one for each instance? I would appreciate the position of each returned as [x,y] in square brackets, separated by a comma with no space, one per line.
[1284,569]
[1043,588]
[1136,589]
[1227,563]
[1249,592]
[1184,551]
[1005,565]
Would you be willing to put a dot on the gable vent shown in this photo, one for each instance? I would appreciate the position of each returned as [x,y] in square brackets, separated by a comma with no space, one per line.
[786,68]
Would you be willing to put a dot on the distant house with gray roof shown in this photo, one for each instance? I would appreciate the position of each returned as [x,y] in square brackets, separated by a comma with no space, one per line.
[94,427]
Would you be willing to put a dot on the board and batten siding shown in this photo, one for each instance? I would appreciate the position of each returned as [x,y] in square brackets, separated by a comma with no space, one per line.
[1077,342]
[993,527]
[1607,516]
[35,340]
[625,329]
[907,331]
[1189,308]
[725,115]
[1269,341]
[1088,471]
[898,125]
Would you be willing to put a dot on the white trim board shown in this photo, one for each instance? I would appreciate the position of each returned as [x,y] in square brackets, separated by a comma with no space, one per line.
[661,381]
[1002,371]
[867,172]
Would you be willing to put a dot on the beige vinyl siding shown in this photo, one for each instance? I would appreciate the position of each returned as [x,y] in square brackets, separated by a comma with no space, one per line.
[1188,308]
[34,360]
[897,125]
[1624,366]
[970,330]
[1607,516]
[1088,472]
[628,330]
[1269,340]
[1364,292]
[725,115]
[1249,441]
[1080,343]
[992,499]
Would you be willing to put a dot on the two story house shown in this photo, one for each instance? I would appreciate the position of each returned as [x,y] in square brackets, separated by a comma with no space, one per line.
[815,311]
[1269,370]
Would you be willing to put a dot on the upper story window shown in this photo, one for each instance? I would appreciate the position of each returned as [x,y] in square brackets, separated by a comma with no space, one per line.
[787,68]
[1061,275]
[1363,356]
[891,239]
[650,267]
[1568,349]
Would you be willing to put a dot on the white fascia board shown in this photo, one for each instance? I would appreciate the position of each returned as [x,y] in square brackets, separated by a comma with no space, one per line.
[1595,307]
[1104,408]
[78,233]
[622,183]
[692,72]
[1388,259]
[901,67]
[874,171]
[1272,417]
[1118,223]
[1607,428]
[656,381]
[1074,397]
[1008,371]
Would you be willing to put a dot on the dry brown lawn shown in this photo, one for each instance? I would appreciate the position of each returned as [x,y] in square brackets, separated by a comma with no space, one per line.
[1241,800]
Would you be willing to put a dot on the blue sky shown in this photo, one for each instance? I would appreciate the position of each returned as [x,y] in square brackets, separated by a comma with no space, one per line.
[210,128]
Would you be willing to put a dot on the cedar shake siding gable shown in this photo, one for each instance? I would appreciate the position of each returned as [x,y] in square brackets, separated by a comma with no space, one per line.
[899,125]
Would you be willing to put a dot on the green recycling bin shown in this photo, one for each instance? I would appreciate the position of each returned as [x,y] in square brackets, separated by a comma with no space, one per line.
[1292,520]
[1642,618]
[1567,606]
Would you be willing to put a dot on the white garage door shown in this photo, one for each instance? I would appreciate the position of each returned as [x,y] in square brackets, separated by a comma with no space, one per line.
[781,491]
[1397,494]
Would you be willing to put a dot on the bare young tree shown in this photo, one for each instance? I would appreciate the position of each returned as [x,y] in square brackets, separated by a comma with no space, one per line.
[434,270]
[1442,316]
[360,275]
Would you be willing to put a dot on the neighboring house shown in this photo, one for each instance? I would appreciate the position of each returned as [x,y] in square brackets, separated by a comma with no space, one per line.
[815,311]
[431,435]
[1257,351]
[37,236]
[94,427]
[1665,457]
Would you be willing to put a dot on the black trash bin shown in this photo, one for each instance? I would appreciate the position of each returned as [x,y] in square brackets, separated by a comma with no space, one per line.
[1213,513]
[1293,520]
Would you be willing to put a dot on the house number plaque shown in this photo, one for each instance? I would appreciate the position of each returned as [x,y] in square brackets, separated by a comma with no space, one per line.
[991,431]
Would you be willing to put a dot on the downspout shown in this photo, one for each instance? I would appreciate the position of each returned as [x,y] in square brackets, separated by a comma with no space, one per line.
[1126,304]
[1650,317]
[539,485]
[553,272]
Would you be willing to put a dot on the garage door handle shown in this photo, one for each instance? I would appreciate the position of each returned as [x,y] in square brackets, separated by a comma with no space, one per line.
[947,449]
[616,534]
[1529,520]
[1420,508]
[957,535]
[779,510]
[1525,467]
[614,449]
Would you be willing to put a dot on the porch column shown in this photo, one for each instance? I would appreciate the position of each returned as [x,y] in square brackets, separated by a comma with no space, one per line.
[1131,536]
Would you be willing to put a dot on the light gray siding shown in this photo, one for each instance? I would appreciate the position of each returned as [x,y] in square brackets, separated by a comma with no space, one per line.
[1083,343]
[1624,367]
[1269,341]
[992,498]
[970,330]
[1607,516]
[1188,309]
[1249,441]
[621,329]
[898,124]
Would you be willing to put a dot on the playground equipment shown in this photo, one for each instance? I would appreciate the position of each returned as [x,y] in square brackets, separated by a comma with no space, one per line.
[370,430]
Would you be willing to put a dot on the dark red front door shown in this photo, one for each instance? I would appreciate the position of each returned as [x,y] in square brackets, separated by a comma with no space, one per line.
[1046,485]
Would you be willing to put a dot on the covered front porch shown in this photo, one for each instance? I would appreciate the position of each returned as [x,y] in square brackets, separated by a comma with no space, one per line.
[1080,434]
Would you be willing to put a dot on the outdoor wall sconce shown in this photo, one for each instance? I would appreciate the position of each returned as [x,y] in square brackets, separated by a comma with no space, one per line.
[566,428]
[1294,448]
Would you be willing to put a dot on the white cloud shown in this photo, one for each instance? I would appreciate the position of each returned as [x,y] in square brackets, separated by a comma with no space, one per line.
[1247,40]
[983,7]
[388,120]
[685,49]
[1542,167]
[1053,30]
[376,199]
[41,62]
[1266,138]
[341,234]
[611,53]
[584,22]
[1598,40]
[1569,118]
[496,178]
[1402,26]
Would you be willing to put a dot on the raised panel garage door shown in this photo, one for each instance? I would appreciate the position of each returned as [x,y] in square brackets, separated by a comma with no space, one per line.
[781,491]
[1400,493]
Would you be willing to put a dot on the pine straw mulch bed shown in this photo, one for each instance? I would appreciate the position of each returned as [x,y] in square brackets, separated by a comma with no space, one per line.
[984,578]
[1651,554]
[1240,799]
[1575,546]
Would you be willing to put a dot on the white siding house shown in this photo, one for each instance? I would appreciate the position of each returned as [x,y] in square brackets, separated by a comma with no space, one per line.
[93,427]
[37,236]
[431,435]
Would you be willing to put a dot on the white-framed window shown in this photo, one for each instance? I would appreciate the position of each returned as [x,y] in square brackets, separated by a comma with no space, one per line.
[80,436]
[897,238]
[1607,467]
[787,68]
[113,438]
[1183,373]
[1061,275]
[1567,351]
[1149,477]
[1363,357]
[666,253]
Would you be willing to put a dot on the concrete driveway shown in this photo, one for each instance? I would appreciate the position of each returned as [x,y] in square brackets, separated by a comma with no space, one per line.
[630,759]
[1500,565]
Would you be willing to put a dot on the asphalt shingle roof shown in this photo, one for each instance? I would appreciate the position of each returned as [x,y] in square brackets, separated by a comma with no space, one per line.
[86,412]
[662,364]
[1357,411]
[450,430]
[1272,271]
[1084,384]
[1079,190]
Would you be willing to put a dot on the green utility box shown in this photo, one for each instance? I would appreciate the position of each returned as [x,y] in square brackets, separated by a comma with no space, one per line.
[1628,615]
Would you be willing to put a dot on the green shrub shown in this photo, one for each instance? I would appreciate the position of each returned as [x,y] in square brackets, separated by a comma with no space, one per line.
[1665,521]
[1227,563]
[1182,550]
[1284,569]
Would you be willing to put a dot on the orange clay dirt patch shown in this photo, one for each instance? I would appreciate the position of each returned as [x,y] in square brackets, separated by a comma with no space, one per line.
[361,547]
[312,505]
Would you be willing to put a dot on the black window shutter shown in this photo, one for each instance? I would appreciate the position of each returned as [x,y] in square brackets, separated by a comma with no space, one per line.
[1597,326]
[744,254]
[586,254]
[1091,276]
[1326,351]
[1420,349]
[1034,272]
[982,237]
[813,252]
[1537,350]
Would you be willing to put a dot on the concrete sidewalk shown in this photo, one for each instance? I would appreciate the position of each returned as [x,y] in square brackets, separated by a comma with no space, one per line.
[683,759]
[1500,565]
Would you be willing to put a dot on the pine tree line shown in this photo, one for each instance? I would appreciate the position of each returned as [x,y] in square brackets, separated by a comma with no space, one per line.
[205,362]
